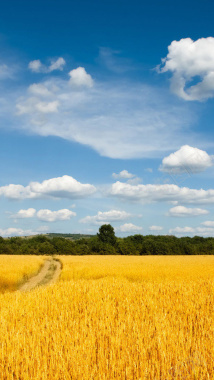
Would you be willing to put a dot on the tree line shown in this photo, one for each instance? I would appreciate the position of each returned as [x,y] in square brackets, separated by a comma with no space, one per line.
[106,243]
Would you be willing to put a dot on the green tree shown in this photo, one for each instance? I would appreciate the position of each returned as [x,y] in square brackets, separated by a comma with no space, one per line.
[107,235]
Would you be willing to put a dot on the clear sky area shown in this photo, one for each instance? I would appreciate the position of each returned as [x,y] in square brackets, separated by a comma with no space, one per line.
[107,116]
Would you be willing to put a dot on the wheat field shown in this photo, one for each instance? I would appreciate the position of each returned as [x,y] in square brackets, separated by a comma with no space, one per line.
[130,318]
[16,269]
[138,268]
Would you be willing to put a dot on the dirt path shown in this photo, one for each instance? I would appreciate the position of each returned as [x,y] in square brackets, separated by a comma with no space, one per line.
[49,274]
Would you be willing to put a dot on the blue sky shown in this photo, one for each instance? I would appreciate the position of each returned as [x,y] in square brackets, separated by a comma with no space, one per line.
[106,116]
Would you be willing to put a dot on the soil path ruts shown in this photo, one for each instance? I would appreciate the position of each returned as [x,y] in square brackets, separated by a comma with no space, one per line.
[49,274]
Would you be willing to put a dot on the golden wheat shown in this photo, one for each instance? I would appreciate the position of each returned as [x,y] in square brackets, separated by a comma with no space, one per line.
[126,321]
[15,269]
[138,268]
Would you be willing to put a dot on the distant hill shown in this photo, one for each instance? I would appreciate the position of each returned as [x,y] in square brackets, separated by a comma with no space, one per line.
[70,236]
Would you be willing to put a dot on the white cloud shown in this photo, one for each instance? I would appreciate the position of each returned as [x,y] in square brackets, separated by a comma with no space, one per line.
[131,178]
[35,106]
[11,231]
[118,120]
[53,216]
[17,192]
[123,174]
[42,229]
[15,232]
[39,89]
[57,65]
[37,67]
[45,215]
[149,170]
[187,159]
[5,71]
[129,227]
[205,231]
[155,228]
[27,106]
[106,217]
[182,211]
[45,107]
[79,77]
[181,230]
[187,60]
[208,223]
[202,231]
[22,214]
[135,180]
[60,187]
[160,193]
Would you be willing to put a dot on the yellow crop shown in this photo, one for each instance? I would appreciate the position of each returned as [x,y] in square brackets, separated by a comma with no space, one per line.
[138,268]
[16,269]
[128,318]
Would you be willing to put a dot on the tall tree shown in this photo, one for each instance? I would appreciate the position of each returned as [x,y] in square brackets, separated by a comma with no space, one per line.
[106,234]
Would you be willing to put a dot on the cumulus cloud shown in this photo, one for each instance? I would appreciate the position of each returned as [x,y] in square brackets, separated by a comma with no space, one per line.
[117,119]
[187,159]
[22,214]
[182,211]
[187,60]
[36,66]
[202,231]
[181,230]
[79,77]
[124,174]
[17,192]
[60,187]
[53,216]
[106,217]
[131,178]
[208,223]
[160,193]
[57,65]
[155,228]
[44,215]
[129,227]
[11,231]
[16,232]
[205,231]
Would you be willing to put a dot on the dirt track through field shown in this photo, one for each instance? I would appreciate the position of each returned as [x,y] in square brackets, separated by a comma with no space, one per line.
[49,274]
